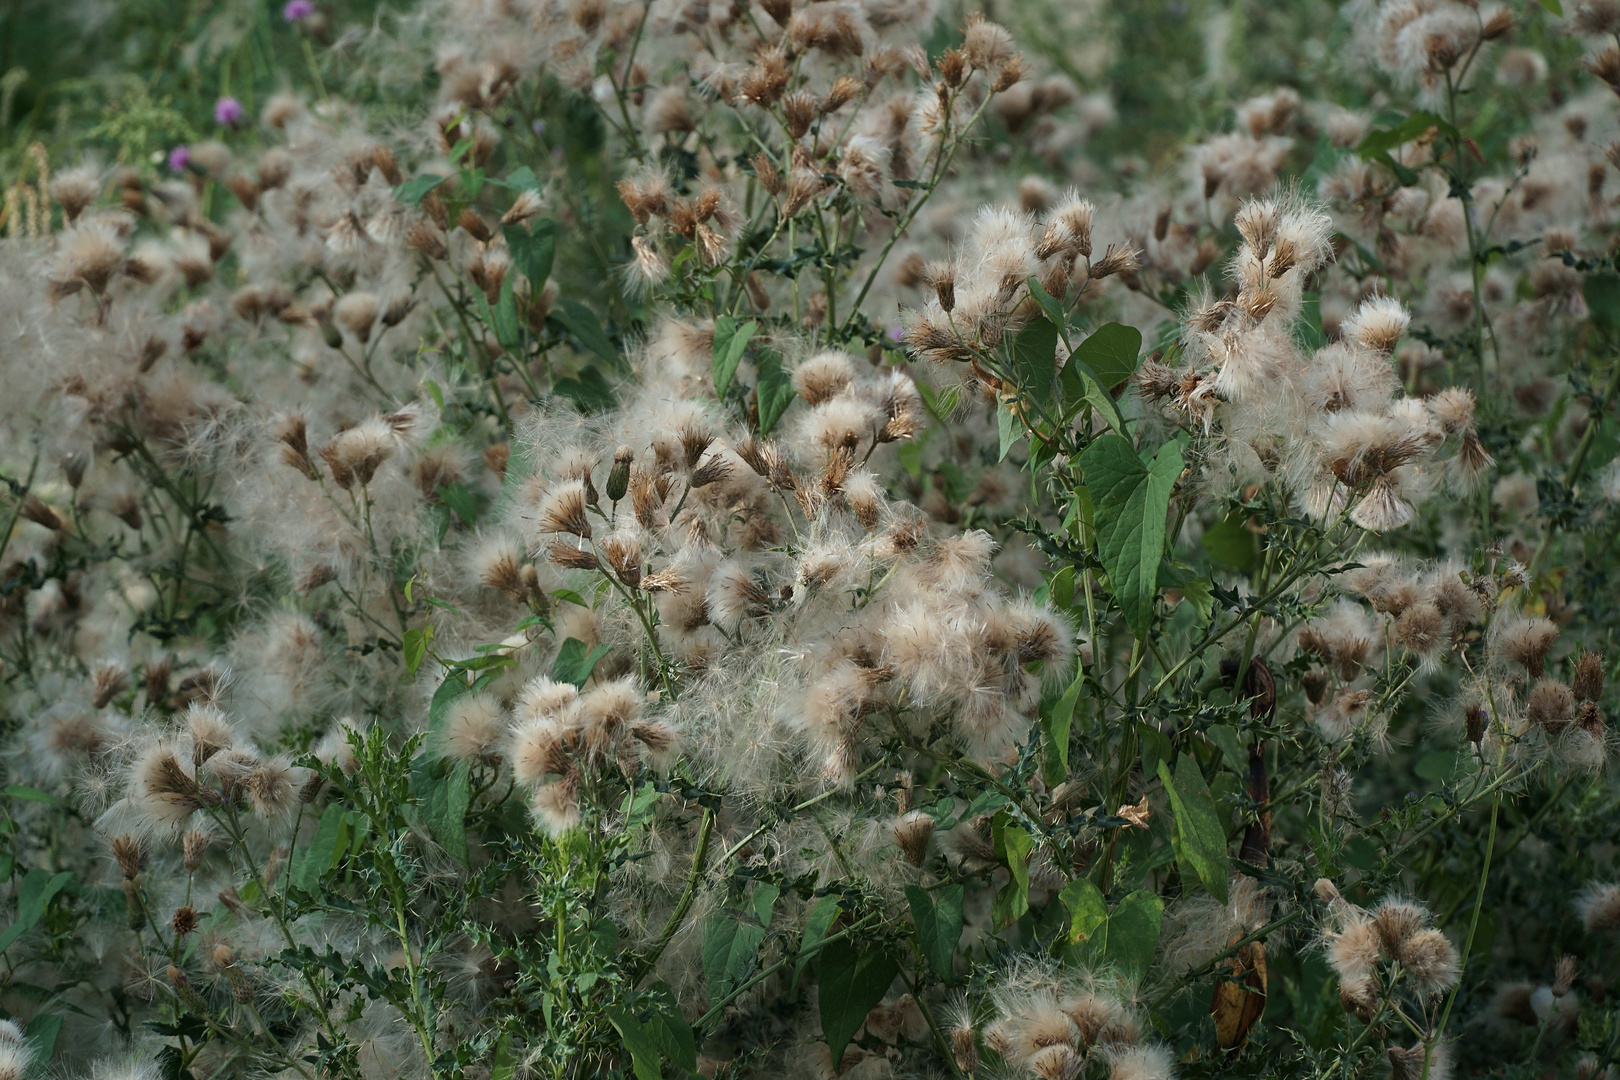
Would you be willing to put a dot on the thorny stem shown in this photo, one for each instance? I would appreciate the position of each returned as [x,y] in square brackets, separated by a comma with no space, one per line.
[1473,920]
[943,162]
[646,963]
[1578,460]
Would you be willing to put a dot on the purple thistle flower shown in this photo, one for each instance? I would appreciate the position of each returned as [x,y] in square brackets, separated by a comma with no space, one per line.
[298,9]
[228,111]
[179,158]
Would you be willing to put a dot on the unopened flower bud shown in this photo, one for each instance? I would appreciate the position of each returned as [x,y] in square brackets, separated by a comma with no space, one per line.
[618,481]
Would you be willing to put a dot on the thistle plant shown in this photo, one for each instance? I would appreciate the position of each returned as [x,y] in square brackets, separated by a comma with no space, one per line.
[617,538]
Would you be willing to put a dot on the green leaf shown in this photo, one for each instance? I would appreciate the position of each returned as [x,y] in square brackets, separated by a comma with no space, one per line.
[1231,747]
[1380,141]
[729,949]
[31,794]
[415,645]
[1602,294]
[775,390]
[505,317]
[574,663]
[1554,6]
[413,191]
[1049,304]
[453,687]
[670,1031]
[33,895]
[851,983]
[1058,723]
[589,391]
[764,901]
[1200,593]
[938,924]
[644,1057]
[1309,332]
[322,851]
[1132,499]
[1229,541]
[461,500]
[816,924]
[42,1033]
[730,341]
[1014,845]
[506,1060]
[1033,354]
[582,322]
[443,791]
[533,249]
[1087,908]
[1199,838]
[1130,936]
[1009,428]
[1111,353]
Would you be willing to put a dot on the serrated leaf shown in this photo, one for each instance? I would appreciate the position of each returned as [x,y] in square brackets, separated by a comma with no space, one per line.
[1033,355]
[1131,499]
[582,322]
[575,663]
[1087,908]
[729,950]
[730,342]
[775,390]
[1198,837]
[533,249]
[413,191]
[851,983]
[938,924]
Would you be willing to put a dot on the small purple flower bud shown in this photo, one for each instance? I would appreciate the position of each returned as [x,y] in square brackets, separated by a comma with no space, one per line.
[179,158]
[297,10]
[228,111]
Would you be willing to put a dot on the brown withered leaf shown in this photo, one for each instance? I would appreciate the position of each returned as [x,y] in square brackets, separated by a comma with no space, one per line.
[1240,996]
[1137,815]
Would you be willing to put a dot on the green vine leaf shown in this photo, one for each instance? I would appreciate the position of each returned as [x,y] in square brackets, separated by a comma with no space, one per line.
[1198,838]
[1131,498]
[730,342]
[938,925]
[851,983]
